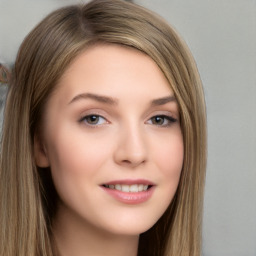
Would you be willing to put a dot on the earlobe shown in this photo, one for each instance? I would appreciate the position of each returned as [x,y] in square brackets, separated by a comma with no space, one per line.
[40,153]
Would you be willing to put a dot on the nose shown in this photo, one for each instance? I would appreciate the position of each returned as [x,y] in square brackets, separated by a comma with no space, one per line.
[131,150]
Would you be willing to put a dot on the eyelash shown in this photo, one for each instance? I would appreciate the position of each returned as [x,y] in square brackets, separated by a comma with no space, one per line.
[165,120]
[86,118]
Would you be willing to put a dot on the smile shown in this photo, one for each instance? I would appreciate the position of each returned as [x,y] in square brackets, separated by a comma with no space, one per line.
[128,188]
[130,191]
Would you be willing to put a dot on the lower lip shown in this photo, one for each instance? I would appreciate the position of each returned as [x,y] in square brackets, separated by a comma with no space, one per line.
[130,197]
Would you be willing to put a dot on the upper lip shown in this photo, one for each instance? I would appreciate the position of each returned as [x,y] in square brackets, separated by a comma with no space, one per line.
[130,182]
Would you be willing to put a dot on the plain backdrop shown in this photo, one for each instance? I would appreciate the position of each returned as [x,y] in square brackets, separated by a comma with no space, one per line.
[222,37]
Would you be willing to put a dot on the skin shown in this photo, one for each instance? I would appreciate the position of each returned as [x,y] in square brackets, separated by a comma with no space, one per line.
[89,140]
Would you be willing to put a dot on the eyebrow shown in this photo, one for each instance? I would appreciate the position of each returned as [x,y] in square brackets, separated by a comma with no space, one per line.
[96,97]
[163,101]
[112,101]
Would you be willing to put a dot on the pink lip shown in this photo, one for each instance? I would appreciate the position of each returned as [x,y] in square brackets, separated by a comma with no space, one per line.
[130,197]
[130,182]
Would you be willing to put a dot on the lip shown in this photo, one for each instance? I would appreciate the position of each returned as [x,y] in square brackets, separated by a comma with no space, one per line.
[130,197]
[130,182]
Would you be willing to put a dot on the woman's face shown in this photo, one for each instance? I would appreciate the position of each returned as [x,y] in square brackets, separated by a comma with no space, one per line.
[112,138]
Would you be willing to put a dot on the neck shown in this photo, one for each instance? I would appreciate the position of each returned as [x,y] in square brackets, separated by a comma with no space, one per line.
[76,237]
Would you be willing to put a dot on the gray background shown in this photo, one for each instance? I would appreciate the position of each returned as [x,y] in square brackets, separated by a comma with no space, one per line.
[222,37]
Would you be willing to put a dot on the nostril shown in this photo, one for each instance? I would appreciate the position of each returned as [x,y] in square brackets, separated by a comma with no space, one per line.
[133,162]
[131,150]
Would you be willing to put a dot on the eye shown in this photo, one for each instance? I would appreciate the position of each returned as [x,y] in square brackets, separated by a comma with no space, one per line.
[162,120]
[93,120]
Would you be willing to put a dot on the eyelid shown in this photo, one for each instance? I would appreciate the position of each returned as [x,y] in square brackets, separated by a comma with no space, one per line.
[169,117]
[93,125]
[93,112]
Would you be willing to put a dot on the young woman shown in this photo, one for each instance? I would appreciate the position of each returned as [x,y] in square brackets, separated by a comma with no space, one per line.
[104,138]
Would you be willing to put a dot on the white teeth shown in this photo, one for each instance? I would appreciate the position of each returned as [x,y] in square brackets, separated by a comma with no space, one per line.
[141,187]
[128,188]
[145,187]
[134,188]
[118,187]
[125,188]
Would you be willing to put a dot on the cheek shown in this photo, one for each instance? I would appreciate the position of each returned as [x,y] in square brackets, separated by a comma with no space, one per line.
[75,166]
[76,155]
[169,158]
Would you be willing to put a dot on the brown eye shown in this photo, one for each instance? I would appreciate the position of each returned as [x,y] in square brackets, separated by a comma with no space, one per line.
[162,120]
[93,120]
[158,120]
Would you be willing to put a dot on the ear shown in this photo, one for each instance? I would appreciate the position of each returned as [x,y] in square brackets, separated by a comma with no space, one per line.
[40,153]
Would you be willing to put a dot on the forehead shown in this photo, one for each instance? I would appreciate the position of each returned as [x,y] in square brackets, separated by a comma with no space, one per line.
[113,70]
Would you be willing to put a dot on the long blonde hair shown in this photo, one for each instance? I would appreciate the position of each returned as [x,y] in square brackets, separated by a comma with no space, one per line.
[27,198]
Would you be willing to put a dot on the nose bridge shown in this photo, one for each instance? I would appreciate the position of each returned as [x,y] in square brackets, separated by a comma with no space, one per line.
[131,149]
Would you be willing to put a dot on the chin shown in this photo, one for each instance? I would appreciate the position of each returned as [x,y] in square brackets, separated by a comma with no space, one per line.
[132,227]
